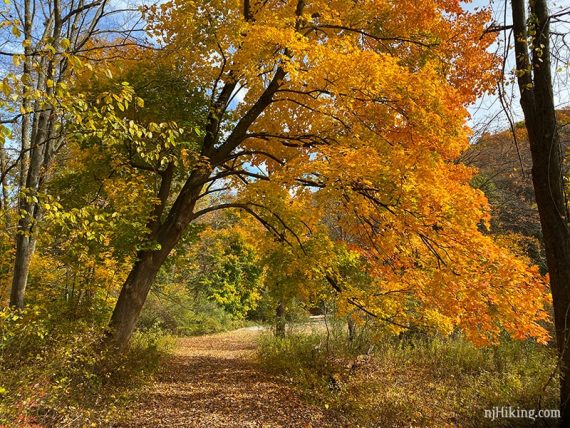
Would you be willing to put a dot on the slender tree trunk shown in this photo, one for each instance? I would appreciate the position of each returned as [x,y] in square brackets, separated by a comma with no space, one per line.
[26,130]
[25,246]
[4,182]
[351,329]
[38,139]
[280,323]
[537,100]
[29,209]
[36,130]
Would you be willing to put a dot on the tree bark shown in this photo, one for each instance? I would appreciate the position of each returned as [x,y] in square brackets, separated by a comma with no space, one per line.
[29,210]
[4,182]
[537,100]
[133,295]
[25,246]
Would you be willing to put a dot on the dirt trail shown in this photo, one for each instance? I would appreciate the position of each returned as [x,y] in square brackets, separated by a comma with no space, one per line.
[214,381]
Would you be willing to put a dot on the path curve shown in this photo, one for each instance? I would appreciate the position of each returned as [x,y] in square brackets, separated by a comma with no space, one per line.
[214,381]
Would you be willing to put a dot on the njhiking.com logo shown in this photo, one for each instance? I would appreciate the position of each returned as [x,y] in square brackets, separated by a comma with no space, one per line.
[509,412]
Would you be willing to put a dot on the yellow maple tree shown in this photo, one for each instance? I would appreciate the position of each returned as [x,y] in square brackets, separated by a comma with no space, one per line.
[357,111]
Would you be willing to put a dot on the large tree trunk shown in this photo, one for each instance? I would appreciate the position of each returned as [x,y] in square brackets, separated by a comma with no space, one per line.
[537,101]
[550,201]
[133,295]
[137,285]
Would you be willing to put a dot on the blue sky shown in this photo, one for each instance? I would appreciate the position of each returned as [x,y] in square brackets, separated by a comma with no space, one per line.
[487,113]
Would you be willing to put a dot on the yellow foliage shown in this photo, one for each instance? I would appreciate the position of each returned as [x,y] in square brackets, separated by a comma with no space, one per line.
[363,134]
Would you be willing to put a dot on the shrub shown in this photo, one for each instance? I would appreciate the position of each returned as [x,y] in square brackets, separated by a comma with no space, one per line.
[377,380]
[56,372]
[177,311]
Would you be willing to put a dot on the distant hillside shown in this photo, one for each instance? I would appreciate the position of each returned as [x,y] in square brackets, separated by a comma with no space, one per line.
[505,177]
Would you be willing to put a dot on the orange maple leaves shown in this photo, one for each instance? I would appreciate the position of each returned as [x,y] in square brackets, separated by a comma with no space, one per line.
[370,113]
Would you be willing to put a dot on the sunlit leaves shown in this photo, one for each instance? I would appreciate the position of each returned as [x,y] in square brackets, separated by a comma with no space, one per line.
[371,115]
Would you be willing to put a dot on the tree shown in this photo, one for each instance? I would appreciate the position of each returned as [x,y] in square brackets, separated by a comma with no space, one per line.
[296,275]
[227,268]
[356,106]
[534,76]
[51,35]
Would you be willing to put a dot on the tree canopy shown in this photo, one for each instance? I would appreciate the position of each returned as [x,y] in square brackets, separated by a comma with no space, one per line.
[336,126]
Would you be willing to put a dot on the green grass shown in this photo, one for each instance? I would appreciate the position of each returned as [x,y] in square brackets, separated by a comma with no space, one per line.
[429,382]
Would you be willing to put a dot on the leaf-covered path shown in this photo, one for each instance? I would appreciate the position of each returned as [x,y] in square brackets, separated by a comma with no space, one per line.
[214,381]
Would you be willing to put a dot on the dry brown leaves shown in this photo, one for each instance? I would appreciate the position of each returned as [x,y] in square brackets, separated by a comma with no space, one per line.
[214,381]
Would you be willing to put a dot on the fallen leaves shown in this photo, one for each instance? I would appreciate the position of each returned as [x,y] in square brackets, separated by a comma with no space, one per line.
[214,381]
